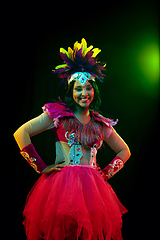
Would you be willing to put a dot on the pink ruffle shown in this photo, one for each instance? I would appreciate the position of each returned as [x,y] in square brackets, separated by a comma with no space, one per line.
[107,121]
[59,110]
[75,203]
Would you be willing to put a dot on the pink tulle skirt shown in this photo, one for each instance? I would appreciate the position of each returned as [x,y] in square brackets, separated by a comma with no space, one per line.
[74,203]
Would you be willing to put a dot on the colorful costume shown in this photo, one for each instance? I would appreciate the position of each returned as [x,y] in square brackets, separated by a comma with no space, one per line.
[76,202]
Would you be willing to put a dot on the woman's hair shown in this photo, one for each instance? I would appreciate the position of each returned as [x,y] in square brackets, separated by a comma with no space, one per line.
[68,96]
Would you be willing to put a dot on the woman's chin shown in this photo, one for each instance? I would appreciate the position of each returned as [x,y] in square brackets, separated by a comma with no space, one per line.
[84,104]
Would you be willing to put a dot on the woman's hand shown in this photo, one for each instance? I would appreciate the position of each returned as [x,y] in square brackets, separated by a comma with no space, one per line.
[54,167]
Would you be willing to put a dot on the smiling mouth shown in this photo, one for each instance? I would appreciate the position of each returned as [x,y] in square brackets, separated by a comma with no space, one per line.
[84,99]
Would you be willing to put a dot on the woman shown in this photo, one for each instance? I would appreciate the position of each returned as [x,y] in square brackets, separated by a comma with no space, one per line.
[72,199]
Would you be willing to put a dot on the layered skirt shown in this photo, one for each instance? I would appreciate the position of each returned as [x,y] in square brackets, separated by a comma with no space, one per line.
[74,203]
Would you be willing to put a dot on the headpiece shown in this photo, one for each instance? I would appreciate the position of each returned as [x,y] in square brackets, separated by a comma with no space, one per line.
[80,64]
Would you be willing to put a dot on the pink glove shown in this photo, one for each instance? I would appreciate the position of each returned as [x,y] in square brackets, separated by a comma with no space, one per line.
[111,169]
[32,157]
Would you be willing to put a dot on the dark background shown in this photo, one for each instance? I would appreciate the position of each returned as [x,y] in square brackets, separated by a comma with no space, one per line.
[127,33]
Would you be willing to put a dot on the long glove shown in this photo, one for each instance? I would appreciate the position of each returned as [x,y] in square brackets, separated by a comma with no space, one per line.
[32,157]
[111,169]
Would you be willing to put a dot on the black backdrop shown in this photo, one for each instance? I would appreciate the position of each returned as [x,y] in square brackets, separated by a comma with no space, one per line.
[35,34]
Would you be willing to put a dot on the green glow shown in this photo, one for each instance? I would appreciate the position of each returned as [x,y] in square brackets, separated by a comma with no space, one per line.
[148,59]
[144,58]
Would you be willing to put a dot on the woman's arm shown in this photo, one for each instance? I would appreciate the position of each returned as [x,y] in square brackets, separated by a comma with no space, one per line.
[23,138]
[26,131]
[120,148]
[117,144]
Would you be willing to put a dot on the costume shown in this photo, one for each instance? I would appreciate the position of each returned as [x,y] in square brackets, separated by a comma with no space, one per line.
[76,202]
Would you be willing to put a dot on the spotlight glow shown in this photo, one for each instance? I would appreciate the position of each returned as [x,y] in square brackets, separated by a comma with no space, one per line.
[148,59]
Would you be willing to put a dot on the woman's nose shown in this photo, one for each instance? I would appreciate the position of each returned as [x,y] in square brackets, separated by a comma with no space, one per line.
[84,92]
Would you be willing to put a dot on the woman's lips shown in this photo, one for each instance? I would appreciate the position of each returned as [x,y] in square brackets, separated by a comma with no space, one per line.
[84,99]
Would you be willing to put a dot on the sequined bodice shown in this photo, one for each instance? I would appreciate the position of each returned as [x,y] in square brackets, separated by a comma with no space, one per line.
[70,130]
[77,143]
[64,152]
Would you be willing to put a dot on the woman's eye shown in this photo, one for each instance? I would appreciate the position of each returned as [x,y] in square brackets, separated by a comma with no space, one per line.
[78,89]
[89,88]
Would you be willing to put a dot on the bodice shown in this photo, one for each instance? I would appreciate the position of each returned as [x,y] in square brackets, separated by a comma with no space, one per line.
[67,153]
[77,143]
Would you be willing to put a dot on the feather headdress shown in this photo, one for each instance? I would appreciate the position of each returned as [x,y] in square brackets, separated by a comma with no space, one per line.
[80,59]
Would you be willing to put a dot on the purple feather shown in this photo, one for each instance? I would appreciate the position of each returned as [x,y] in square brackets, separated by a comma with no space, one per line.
[65,58]
[80,63]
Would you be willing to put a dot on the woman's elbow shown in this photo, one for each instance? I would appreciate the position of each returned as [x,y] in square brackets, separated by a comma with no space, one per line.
[15,134]
[128,153]
[125,153]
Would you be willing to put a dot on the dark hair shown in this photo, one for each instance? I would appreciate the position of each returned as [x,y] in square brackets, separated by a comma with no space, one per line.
[68,96]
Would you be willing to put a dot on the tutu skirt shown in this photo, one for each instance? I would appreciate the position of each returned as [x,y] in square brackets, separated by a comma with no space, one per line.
[74,203]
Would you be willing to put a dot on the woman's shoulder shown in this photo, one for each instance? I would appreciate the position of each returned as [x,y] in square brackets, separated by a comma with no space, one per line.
[57,110]
[107,121]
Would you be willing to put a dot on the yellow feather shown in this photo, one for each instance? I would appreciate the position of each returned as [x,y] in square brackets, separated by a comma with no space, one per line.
[86,50]
[61,66]
[78,46]
[62,50]
[89,48]
[96,51]
[84,44]
[75,45]
[70,52]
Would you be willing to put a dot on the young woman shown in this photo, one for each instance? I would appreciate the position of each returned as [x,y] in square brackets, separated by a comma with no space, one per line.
[72,199]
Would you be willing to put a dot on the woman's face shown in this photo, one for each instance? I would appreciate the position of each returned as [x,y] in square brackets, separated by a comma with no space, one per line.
[83,95]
